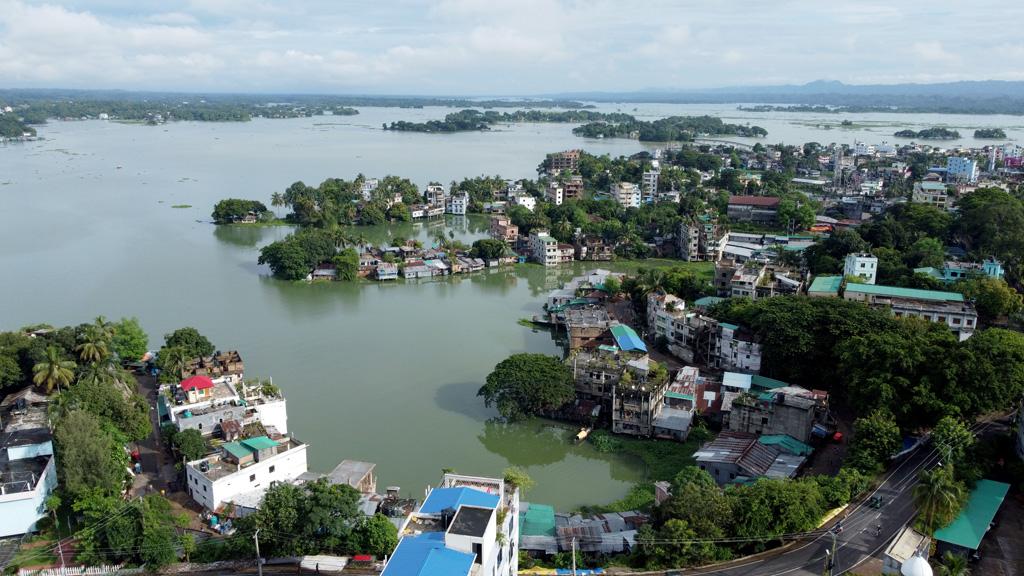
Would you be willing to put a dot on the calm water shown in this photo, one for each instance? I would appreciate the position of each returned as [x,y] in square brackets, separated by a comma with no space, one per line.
[380,373]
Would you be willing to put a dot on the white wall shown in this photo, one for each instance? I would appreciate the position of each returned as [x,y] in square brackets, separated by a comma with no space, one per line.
[20,511]
[274,414]
[287,466]
[30,451]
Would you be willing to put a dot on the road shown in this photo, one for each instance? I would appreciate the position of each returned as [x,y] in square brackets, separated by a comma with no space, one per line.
[860,538]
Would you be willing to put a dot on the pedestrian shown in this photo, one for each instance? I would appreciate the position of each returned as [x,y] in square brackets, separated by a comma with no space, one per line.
[878,530]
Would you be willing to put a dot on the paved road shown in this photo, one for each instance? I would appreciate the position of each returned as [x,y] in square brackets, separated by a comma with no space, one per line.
[860,538]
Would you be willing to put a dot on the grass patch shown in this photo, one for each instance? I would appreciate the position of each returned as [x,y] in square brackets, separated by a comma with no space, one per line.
[640,497]
[663,458]
[527,323]
[182,206]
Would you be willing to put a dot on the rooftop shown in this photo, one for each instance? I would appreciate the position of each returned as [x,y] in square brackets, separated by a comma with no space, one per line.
[536,520]
[970,526]
[739,448]
[828,284]
[906,545]
[20,475]
[471,521]
[627,339]
[907,293]
[216,467]
[441,499]
[426,555]
[350,472]
[766,201]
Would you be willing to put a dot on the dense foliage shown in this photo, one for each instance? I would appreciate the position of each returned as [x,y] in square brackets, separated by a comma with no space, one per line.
[234,209]
[525,385]
[12,127]
[674,128]
[293,257]
[936,133]
[990,133]
[476,120]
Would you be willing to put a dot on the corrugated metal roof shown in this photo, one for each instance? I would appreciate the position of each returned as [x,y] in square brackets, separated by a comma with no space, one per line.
[911,293]
[828,284]
[426,555]
[537,520]
[970,526]
[259,443]
[237,450]
[786,443]
[737,380]
[766,383]
[627,339]
[443,498]
[707,301]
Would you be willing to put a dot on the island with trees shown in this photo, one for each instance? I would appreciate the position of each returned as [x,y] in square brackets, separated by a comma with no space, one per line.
[12,128]
[469,120]
[236,210]
[990,134]
[936,133]
[671,129]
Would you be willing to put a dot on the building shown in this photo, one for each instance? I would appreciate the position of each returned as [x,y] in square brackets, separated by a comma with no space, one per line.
[466,526]
[705,341]
[649,184]
[738,456]
[663,311]
[369,186]
[503,229]
[387,271]
[524,200]
[554,193]
[861,265]
[458,204]
[788,411]
[572,188]
[626,194]
[961,169]
[244,468]
[932,193]
[825,287]
[28,470]
[953,271]
[947,308]
[358,475]
[964,535]
[435,195]
[908,544]
[568,160]
[756,209]
[544,249]
[700,239]
[226,366]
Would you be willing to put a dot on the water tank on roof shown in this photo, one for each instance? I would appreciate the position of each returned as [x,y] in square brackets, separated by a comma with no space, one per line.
[916,566]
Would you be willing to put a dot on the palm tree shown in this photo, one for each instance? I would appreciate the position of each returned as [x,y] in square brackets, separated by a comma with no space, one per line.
[953,565]
[94,347]
[104,330]
[277,199]
[938,497]
[53,371]
[174,360]
[95,373]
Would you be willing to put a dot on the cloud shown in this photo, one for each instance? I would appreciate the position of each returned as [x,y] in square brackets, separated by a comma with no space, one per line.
[933,51]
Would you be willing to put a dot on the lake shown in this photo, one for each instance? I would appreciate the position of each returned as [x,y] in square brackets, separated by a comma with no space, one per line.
[384,373]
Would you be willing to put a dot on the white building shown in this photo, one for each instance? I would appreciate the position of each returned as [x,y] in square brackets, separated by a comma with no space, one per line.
[933,193]
[863,149]
[435,195]
[663,310]
[544,248]
[961,169]
[626,194]
[466,526]
[861,264]
[554,194]
[369,187]
[458,204]
[28,473]
[908,544]
[524,200]
[649,183]
[247,467]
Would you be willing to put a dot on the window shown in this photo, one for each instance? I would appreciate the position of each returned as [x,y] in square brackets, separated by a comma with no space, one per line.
[204,487]
[252,478]
[200,425]
[956,321]
[272,469]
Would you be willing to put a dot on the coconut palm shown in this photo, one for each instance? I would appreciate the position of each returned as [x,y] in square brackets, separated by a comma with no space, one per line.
[94,347]
[277,199]
[953,565]
[53,371]
[939,498]
[104,329]
[95,373]
[173,360]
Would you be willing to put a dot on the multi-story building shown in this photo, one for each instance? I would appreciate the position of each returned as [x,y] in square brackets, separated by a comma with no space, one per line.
[458,203]
[757,209]
[524,200]
[700,239]
[626,194]
[369,186]
[861,265]
[932,193]
[244,468]
[663,311]
[568,160]
[503,229]
[572,188]
[960,169]
[467,526]
[954,271]
[435,195]
[28,472]
[649,183]
[544,248]
[554,193]
[947,308]
[705,341]
[790,411]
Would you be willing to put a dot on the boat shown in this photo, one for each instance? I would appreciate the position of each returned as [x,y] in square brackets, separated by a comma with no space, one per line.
[582,434]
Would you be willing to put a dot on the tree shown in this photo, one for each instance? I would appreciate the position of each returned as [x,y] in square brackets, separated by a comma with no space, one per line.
[612,285]
[190,341]
[926,252]
[130,342]
[771,507]
[952,439]
[103,398]
[376,535]
[190,444]
[172,361]
[488,249]
[953,565]
[993,297]
[188,545]
[371,214]
[347,264]
[10,371]
[93,347]
[876,438]
[54,371]
[990,222]
[525,385]
[939,497]
[88,455]
[518,478]
[234,209]
[308,519]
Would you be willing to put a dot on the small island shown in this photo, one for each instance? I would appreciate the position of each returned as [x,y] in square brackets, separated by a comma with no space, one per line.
[936,133]
[671,129]
[990,134]
[472,120]
[13,128]
[239,211]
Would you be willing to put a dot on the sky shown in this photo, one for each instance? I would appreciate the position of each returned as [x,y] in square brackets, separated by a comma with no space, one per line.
[500,47]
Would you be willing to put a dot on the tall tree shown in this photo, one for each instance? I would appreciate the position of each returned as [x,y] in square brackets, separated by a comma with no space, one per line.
[54,371]
[939,497]
[525,385]
[90,458]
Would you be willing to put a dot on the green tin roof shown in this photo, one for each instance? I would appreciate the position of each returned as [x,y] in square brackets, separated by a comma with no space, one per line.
[914,293]
[728,326]
[679,396]
[237,450]
[538,520]
[707,301]
[786,443]
[970,526]
[929,271]
[259,443]
[828,284]
[766,383]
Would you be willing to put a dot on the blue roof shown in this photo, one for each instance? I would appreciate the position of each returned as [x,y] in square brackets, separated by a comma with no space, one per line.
[443,498]
[627,339]
[425,555]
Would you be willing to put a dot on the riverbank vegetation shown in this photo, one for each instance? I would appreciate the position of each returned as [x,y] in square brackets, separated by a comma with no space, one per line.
[936,133]
[525,385]
[671,129]
[12,127]
[468,120]
[990,134]
[231,210]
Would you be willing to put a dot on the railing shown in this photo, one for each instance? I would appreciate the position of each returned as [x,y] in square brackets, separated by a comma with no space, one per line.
[81,571]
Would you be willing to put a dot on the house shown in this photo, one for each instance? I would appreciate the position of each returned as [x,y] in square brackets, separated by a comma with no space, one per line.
[861,265]
[961,169]
[825,287]
[953,271]
[626,194]
[387,271]
[700,239]
[458,204]
[418,211]
[559,161]
[756,209]
[554,193]
[537,529]
[466,526]
[964,535]
[416,269]
[663,310]
[544,248]
[738,456]
[524,200]
[703,340]
[908,544]
[649,184]
[251,403]
[566,253]
[606,534]
[788,411]
[368,187]
[932,193]
[947,308]
[435,195]
[587,326]
[249,218]
[324,271]
[247,467]
[503,229]
[572,188]
[197,388]
[28,472]
[359,475]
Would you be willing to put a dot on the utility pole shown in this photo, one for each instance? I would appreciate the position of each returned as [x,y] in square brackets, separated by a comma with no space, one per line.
[830,555]
[259,561]
[573,556]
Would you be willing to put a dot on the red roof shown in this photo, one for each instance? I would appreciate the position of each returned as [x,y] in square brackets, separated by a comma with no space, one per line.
[754,200]
[196,383]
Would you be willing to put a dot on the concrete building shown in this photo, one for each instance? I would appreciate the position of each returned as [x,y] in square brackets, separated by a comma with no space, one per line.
[862,265]
[954,271]
[568,160]
[961,169]
[663,311]
[467,526]
[369,186]
[572,188]
[524,200]
[554,193]
[458,204]
[544,248]
[626,194]
[787,411]
[757,209]
[907,544]
[435,195]
[247,467]
[705,341]
[700,239]
[825,287]
[947,308]
[737,456]
[932,193]
[649,184]
[28,470]
[503,229]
